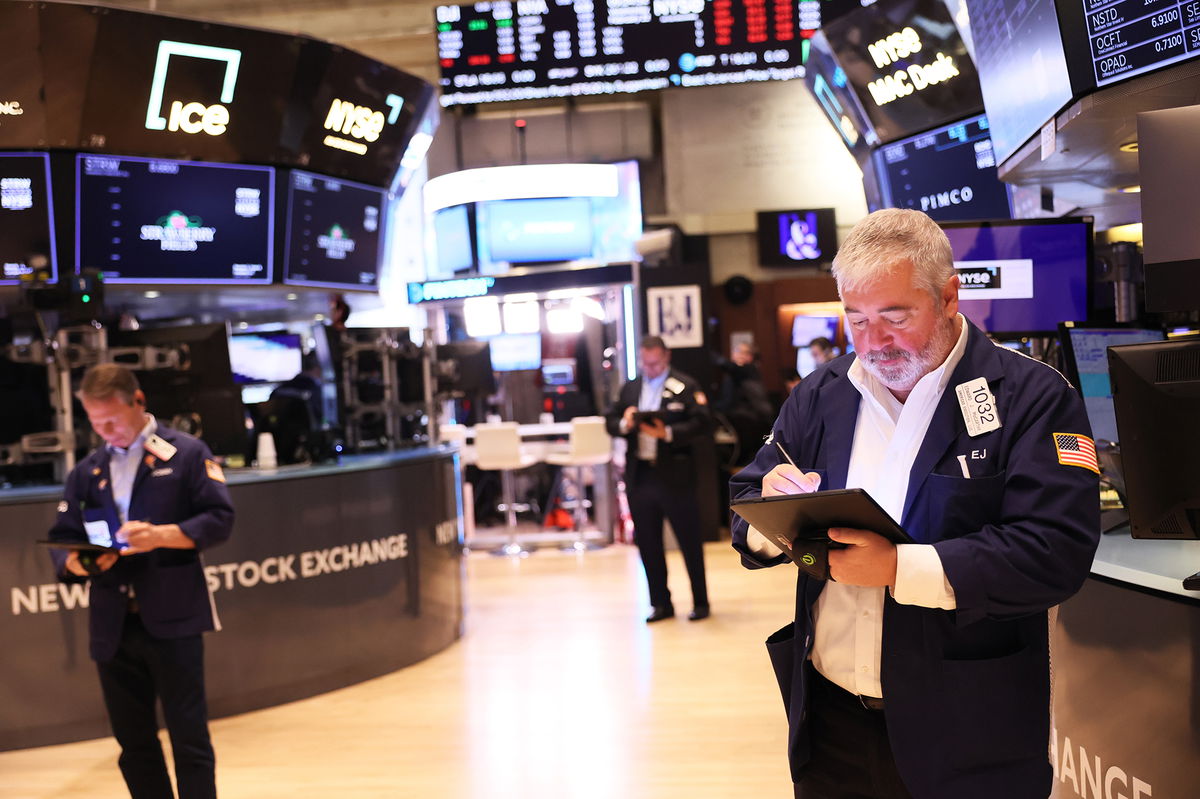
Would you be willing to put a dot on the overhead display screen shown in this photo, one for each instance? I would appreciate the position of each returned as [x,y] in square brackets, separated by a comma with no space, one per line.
[828,82]
[949,173]
[1023,277]
[1113,41]
[536,49]
[147,221]
[532,231]
[166,86]
[26,217]
[1022,68]
[333,233]
[22,112]
[907,64]
[359,121]
[797,238]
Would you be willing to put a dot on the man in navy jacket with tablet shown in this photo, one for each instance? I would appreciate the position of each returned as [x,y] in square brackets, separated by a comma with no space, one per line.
[156,497]
[922,670]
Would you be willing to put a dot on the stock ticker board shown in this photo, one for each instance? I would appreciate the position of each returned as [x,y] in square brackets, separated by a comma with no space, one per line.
[536,49]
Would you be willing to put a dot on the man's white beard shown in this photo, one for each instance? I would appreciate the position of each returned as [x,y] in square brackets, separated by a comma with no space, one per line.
[905,375]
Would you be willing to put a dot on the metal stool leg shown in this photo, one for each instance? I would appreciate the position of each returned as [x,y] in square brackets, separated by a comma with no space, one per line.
[580,544]
[508,494]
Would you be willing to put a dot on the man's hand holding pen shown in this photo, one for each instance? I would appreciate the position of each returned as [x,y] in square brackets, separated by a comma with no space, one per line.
[864,558]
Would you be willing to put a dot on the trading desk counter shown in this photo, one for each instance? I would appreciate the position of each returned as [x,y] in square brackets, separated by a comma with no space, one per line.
[1126,660]
[335,574]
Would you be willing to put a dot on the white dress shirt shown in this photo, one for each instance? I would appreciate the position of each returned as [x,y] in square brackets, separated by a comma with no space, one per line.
[848,620]
[123,466]
[649,400]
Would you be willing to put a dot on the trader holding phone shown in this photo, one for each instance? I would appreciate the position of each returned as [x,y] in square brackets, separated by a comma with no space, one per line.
[154,497]
[922,670]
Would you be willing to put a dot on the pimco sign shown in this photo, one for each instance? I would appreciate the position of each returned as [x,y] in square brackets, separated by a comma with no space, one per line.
[190,116]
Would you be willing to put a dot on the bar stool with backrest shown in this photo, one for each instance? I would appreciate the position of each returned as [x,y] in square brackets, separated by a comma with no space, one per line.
[498,448]
[589,446]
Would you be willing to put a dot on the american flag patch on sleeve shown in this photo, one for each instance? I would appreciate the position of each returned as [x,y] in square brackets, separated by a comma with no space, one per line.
[1076,450]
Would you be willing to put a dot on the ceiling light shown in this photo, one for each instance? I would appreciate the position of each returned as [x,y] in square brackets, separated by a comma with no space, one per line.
[1129,147]
[289,296]
[152,295]
[1130,189]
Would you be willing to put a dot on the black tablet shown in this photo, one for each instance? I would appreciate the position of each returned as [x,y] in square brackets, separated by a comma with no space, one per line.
[788,517]
[78,546]
[648,417]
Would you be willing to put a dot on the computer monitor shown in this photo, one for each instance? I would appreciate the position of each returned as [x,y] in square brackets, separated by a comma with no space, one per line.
[1156,391]
[141,220]
[516,352]
[535,231]
[1023,276]
[265,357]
[471,372]
[334,233]
[558,372]
[200,397]
[1085,363]
[797,238]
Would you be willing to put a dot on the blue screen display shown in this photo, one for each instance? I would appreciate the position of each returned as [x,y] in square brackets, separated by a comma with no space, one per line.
[514,352]
[797,238]
[1089,349]
[525,231]
[1022,276]
[26,218]
[452,232]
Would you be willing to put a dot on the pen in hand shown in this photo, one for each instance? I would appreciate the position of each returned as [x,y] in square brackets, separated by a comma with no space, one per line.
[783,452]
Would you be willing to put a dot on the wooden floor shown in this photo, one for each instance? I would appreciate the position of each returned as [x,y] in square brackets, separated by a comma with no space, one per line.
[558,690]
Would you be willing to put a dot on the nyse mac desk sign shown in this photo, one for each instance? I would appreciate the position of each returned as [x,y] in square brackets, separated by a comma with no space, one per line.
[907,64]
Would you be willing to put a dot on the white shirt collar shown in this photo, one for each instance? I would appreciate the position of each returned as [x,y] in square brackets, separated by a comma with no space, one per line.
[148,430]
[931,385]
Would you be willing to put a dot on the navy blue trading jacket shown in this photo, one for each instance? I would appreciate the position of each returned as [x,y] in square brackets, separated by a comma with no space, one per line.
[172,594]
[966,691]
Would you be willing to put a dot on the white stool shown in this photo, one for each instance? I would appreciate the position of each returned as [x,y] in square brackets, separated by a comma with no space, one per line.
[498,448]
[589,446]
[455,435]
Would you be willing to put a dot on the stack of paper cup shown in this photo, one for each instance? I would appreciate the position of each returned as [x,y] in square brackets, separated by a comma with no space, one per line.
[266,451]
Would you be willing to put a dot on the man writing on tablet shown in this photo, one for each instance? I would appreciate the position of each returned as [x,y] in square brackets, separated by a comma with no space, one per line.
[159,496]
[922,670]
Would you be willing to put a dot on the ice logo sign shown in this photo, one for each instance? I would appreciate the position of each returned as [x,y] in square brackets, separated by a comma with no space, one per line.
[798,236]
[335,244]
[178,232]
[191,116]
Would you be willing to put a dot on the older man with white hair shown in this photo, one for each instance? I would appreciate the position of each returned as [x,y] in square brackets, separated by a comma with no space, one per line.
[922,670]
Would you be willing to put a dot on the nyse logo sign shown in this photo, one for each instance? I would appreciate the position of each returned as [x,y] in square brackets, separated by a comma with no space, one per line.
[362,123]
[190,116]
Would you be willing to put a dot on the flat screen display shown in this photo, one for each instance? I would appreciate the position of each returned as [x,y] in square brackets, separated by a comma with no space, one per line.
[22,108]
[515,352]
[532,231]
[333,233]
[452,240]
[1109,42]
[797,238]
[1023,276]
[26,217]
[171,87]
[500,51]
[264,357]
[1022,68]
[949,173]
[352,116]
[152,221]
[907,64]
[828,83]
[1086,359]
